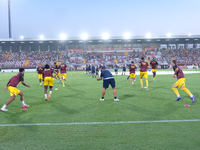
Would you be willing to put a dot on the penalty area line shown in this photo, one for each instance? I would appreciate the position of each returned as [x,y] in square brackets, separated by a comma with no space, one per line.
[96,123]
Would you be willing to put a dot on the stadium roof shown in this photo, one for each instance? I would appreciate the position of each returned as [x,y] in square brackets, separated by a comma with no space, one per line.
[114,39]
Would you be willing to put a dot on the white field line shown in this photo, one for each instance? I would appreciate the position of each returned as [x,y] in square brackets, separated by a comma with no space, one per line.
[97,123]
[159,72]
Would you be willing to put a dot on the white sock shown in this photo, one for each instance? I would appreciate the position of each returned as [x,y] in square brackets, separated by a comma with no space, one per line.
[191,96]
[23,103]
[45,95]
[132,82]
[4,106]
[178,96]
[50,92]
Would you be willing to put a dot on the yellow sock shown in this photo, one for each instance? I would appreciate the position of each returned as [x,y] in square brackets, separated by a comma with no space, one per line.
[175,91]
[147,83]
[141,82]
[40,82]
[154,78]
[63,82]
[186,91]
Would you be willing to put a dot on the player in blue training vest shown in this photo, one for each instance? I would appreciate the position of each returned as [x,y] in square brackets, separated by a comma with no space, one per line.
[93,71]
[107,79]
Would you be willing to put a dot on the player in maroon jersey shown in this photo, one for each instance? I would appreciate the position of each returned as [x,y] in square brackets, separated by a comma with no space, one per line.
[48,80]
[143,72]
[56,72]
[39,71]
[12,87]
[132,69]
[63,72]
[180,83]
[154,65]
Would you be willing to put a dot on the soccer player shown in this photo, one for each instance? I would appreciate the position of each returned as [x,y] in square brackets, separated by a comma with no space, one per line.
[63,72]
[154,65]
[124,69]
[97,70]
[12,87]
[48,80]
[143,72]
[116,69]
[56,70]
[89,69]
[132,69]
[39,71]
[107,79]
[93,71]
[180,83]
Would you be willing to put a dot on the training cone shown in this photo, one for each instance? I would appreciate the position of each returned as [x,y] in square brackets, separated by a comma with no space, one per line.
[70,74]
[187,105]
[24,108]
[68,82]
[34,75]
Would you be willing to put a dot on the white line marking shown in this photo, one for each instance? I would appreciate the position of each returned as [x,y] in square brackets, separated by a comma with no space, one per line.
[93,123]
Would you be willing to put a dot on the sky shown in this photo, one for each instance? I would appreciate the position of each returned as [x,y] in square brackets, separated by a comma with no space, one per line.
[51,18]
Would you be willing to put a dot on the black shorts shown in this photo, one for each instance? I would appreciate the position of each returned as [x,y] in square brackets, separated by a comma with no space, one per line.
[116,70]
[124,69]
[107,82]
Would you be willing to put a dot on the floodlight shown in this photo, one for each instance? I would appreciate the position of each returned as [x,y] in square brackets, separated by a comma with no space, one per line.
[168,34]
[41,37]
[105,36]
[127,35]
[148,35]
[63,36]
[189,34]
[21,37]
[84,36]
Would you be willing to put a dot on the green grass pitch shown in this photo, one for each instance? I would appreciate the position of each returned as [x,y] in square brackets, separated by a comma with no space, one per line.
[79,102]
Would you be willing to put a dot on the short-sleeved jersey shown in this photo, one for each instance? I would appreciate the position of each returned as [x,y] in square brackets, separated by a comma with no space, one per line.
[143,67]
[116,66]
[132,68]
[16,79]
[154,64]
[124,65]
[63,68]
[93,68]
[39,69]
[56,69]
[97,68]
[104,67]
[105,74]
[47,73]
[179,73]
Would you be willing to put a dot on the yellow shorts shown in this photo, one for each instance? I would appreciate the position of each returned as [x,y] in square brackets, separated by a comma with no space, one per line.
[56,75]
[63,75]
[40,76]
[144,74]
[132,75]
[13,91]
[154,70]
[48,81]
[180,82]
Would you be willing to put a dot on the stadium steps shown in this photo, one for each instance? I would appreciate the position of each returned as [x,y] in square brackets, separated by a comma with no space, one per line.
[126,53]
[7,55]
[147,60]
[26,64]
[84,61]
[116,61]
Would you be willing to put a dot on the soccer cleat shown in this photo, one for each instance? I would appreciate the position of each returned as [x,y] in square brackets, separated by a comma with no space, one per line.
[45,98]
[178,98]
[41,84]
[154,80]
[101,99]
[58,81]
[63,85]
[116,100]
[3,109]
[27,106]
[193,98]
[142,87]
[49,96]
[134,80]
[24,108]
[132,83]
[127,78]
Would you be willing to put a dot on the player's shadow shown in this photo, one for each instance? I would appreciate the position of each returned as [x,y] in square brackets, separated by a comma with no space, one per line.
[65,109]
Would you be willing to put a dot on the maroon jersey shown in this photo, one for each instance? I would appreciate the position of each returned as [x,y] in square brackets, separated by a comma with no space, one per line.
[47,73]
[16,79]
[132,68]
[62,68]
[40,69]
[179,74]
[154,64]
[143,67]
[56,69]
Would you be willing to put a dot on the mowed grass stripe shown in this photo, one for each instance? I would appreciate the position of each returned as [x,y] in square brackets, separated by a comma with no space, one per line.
[96,123]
